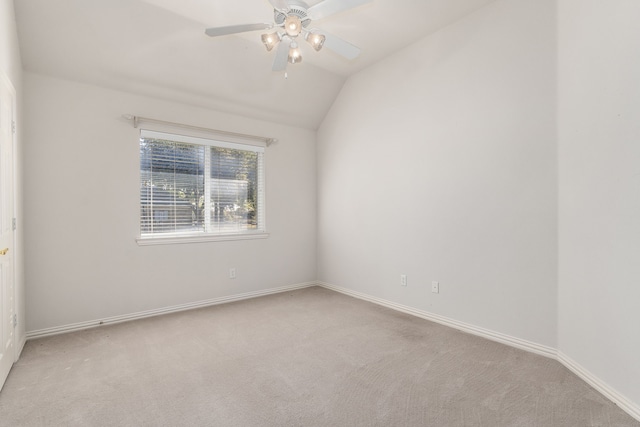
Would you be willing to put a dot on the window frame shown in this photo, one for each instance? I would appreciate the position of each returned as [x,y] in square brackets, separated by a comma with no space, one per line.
[145,239]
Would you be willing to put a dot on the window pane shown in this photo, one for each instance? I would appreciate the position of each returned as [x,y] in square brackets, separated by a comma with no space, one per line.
[171,187]
[234,187]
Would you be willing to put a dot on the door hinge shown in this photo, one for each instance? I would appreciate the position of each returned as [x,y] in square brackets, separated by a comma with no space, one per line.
[14,224]
[13,126]
[15,320]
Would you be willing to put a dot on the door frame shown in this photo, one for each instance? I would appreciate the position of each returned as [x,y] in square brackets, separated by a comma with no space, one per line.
[18,342]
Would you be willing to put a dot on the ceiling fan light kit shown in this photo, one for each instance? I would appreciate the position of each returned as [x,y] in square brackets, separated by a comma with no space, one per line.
[291,18]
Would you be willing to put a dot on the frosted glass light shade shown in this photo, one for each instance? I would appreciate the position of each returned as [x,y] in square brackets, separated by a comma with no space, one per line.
[293,25]
[270,40]
[294,54]
[315,40]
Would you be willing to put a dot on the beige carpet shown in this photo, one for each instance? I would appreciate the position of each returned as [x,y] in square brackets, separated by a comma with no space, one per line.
[306,358]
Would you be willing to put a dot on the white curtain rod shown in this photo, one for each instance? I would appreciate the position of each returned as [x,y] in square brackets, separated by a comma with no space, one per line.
[137,119]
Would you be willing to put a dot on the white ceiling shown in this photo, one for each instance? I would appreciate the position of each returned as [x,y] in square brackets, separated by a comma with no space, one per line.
[158,48]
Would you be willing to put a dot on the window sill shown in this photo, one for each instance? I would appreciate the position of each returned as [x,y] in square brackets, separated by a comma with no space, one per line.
[177,239]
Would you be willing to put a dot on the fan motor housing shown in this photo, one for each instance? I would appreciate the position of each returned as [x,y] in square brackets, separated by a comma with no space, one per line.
[296,8]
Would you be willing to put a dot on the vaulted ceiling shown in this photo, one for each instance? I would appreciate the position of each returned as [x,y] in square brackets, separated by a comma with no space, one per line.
[158,48]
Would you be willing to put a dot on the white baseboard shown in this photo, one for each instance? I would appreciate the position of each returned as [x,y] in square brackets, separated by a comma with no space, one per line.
[166,310]
[595,382]
[611,394]
[465,327]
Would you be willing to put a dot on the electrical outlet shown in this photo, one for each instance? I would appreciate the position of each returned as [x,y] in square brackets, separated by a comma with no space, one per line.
[435,287]
[403,280]
[232,273]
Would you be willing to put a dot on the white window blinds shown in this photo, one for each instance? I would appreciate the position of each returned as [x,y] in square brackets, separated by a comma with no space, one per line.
[195,186]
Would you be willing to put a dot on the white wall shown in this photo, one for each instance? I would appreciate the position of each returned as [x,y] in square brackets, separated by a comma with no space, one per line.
[82,181]
[11,66]
[10,63]
[440,163]
[599,208]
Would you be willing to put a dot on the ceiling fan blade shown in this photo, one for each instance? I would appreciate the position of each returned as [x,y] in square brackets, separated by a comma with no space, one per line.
[234,29]
[279,4]
[282,56]
[330,7]
[340,46]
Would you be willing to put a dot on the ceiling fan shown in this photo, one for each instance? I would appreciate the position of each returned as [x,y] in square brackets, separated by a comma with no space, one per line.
[292,19]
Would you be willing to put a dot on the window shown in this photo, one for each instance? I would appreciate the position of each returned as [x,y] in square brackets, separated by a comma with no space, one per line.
[196,187]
